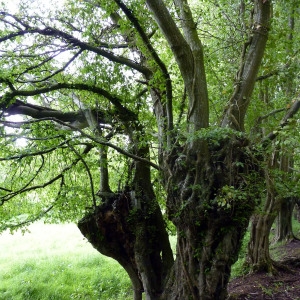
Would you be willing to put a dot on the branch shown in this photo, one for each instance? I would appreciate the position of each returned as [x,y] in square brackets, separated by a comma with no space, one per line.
[188,52]
[279,69]
[40,112]
[125,113]
[20,156]
[54,73]
[101,142]
[156,58]
[36,173]
[273,112]
[251,57]
[40,215]
[50,31]
[289,115]
[196,85]
[172,33]
[12,194]
[98,141]
[88,171]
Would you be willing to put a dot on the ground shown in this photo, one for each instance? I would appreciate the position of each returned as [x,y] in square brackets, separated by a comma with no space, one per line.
[284,285]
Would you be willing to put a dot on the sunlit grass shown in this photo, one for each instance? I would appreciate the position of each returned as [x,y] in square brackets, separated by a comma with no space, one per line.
[55,262]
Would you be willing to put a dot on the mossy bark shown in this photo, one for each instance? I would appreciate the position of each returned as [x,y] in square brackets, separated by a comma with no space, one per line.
[210,203]
[137,241]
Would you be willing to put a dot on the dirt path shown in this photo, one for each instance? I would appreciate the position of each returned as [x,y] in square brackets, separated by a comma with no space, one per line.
[261,286]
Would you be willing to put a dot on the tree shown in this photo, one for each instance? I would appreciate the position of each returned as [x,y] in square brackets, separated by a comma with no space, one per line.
[284,231]
[126,84]
[281,181]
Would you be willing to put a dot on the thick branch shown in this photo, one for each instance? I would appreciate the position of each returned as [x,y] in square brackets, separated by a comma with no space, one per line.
[234,114]
[198,94]
[39,112]
[157,59]
[124,113]
[188,52]
[178,44]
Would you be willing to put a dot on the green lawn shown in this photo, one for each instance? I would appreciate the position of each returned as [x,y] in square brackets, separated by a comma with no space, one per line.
[55,262]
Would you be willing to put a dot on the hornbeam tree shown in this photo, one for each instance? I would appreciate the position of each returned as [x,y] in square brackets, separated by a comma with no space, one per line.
[114,129]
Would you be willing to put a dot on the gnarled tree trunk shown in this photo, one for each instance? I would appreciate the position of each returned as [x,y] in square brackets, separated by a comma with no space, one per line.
[137,241]
[209,202]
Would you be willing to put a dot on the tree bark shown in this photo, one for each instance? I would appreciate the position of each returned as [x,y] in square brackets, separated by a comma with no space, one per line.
[258,256]
[205,196]
[252,54]
[284,228]
[139,242]
[297,210]
[107,230]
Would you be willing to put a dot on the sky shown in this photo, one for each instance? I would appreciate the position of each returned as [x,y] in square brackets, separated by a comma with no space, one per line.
[14,5]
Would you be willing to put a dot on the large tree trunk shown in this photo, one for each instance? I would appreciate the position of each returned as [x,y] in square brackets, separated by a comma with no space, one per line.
[210,204]
[258,256]
[107,230]
[210,183]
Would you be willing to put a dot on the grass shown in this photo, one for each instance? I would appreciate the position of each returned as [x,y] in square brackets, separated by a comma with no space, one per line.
[55,262]
[239,268]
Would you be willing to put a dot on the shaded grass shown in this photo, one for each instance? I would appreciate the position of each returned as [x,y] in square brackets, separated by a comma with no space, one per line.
[55,262]
[239,268]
